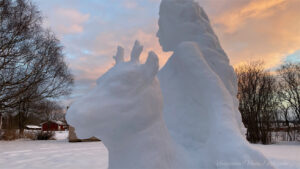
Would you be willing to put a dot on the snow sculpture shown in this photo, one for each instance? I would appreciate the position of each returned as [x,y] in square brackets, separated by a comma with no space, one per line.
[198,128]
[124,110]
[199,88]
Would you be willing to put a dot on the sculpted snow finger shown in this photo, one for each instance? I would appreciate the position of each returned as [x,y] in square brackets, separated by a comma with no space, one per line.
[120,55]
[152,64]
[136,51]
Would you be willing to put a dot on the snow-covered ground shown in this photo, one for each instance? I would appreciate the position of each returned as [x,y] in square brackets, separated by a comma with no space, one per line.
[54,154]
[285,155]
[57,154]
[61,135]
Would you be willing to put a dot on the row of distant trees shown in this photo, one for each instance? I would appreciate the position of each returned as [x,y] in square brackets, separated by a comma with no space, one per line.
[33,72]
[269,101]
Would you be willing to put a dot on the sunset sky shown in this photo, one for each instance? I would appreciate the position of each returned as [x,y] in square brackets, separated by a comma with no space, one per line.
[91,30]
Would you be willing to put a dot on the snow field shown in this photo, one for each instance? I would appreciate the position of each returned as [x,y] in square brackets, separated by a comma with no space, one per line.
[53,154]
[25,154]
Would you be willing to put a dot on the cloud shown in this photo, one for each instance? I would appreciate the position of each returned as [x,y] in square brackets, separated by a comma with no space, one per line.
[232,20]
[130,4]
[257,30]
[67,21]
[91,30]
[90,65]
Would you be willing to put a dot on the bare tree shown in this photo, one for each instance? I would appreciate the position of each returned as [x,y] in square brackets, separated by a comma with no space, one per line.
[49,110]
[256,93]
[32,65]
[289,93]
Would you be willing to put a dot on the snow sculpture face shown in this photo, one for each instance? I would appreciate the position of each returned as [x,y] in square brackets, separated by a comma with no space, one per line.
[126,100]
[179,21]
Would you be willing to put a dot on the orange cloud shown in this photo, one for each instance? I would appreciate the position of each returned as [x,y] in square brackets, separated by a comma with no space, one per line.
[266,30]
[232,20]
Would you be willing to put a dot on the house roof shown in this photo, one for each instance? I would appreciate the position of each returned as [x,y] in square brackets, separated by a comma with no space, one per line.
[33,127]
[54,121]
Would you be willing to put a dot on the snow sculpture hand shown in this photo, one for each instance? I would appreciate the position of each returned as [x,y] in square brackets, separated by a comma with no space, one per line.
[117,92]
[135,53]
[150,67]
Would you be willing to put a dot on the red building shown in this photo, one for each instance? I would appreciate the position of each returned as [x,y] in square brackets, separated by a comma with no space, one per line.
[54,126]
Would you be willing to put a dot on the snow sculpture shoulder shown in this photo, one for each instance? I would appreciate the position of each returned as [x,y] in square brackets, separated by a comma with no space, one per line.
[124,110]
[199,88]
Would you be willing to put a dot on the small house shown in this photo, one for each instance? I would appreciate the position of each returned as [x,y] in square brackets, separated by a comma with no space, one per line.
[53,125]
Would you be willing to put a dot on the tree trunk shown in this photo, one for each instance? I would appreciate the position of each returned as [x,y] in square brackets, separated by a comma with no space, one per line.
[21,125]
[0,121]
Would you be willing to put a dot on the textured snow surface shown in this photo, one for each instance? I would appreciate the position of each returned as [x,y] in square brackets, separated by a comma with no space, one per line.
[284,155]
[23,154]
[61,135]
[61,154]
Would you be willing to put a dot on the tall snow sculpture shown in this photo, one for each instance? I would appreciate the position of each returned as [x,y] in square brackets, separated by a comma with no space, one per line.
[124,110]
[199,88]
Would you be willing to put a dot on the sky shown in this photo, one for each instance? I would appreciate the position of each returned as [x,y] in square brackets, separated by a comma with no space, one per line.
[91,30]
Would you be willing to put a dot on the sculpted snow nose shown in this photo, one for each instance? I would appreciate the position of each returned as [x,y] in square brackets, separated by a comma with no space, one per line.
[136,52]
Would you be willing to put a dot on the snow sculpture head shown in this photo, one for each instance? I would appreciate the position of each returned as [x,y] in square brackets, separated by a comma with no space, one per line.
[182,20]
[124,101]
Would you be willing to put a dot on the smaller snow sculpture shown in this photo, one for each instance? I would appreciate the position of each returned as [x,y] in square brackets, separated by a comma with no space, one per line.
[124,110]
